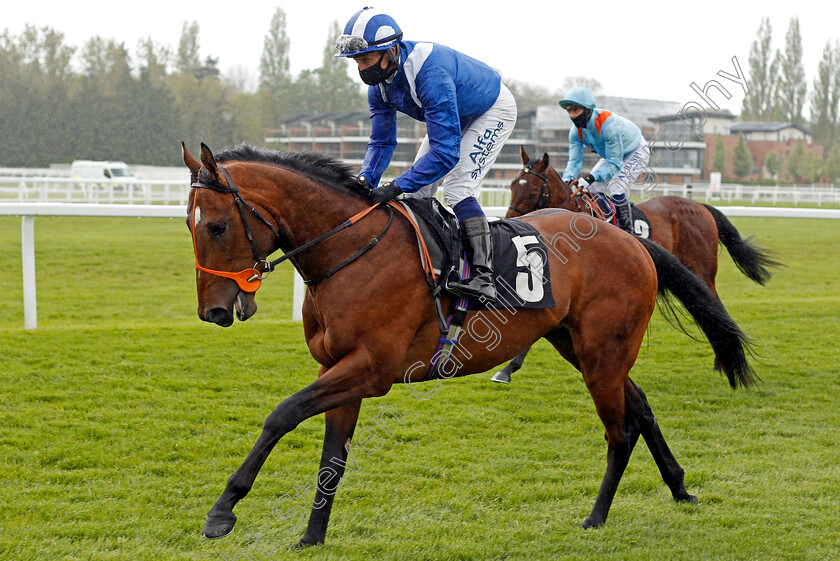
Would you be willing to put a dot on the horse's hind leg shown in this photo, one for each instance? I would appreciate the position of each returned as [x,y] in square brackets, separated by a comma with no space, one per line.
[503,375]
[672,473]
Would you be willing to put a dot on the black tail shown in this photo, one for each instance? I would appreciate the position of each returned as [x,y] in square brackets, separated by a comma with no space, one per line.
[730,344]
[750,259]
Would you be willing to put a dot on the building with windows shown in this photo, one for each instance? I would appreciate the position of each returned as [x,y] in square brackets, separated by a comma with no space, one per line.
[771,131]
[682,145]
[345,136]
[543,130]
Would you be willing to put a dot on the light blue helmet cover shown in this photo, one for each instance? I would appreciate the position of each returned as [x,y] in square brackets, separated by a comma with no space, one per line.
[578,95]
[368,30]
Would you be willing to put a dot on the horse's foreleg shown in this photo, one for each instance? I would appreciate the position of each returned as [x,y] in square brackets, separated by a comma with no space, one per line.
[604,368]
[341,385]
[672,473]
[341,422]
[620,443]
[503,375]
[285,417]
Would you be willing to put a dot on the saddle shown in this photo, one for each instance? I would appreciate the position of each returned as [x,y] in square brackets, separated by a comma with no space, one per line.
[520,257]
[520,261]
[640,222]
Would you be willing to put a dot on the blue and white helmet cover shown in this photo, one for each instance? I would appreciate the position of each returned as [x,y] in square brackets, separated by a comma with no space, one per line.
[368,30]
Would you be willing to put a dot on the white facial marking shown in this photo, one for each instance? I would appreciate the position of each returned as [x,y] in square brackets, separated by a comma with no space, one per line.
[197,217]
[523,183]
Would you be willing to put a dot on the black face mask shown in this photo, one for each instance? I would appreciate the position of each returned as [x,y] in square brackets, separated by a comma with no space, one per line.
[581,120]
[375,74]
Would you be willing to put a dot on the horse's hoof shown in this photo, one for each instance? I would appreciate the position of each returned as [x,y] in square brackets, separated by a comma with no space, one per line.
[218,525]
[686,498]
[591,522]
[305,543]
[501,377]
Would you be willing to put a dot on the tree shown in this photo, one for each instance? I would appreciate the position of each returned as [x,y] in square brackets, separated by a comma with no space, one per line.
[831,165]
[773,164]
[153,60]
[274,62]
[800,163]
[825,99]
[205,115]
[743,162]
[792,84]
[591,83]
[36,83]
[55,55]
[187,61]
[760,102]
[210,69]
[529,97]
[719,156]
[103,107]
[241,78]
[337,91]
[330,62]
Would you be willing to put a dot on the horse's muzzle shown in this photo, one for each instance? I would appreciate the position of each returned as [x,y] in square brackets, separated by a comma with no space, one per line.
[219,316]
[243,307]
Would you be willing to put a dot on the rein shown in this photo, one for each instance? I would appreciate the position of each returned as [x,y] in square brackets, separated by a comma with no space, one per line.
[581,194]
[249,280]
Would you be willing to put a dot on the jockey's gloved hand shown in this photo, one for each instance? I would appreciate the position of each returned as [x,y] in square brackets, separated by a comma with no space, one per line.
[585,181]
[362,180]
[385,193]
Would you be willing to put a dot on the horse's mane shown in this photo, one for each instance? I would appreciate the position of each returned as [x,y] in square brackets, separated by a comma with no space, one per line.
[317,166]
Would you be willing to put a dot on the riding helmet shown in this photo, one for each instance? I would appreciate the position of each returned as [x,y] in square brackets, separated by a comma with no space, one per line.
[578,95]
[368,30]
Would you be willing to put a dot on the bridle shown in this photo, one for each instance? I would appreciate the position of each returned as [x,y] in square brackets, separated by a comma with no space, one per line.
[578,195]
[542,201]
[249,280]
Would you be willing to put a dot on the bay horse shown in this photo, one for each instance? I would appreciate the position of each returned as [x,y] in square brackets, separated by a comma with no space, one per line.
[691,231]
[369,317]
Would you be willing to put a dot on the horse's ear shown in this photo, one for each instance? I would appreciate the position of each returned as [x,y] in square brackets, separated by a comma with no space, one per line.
[545,159]
[189,159]
[523,155]
[210,163]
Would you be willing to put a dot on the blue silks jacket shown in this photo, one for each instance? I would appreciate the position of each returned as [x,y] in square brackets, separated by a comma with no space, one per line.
[611,136]
[435,84]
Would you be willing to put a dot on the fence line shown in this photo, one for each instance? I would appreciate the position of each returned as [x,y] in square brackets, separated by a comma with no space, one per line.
[495,192]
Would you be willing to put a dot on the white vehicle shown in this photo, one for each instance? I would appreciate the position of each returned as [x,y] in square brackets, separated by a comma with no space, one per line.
[93,171]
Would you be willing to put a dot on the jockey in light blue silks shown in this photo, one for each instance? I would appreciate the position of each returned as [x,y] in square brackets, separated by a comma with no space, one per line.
[619,142]
[469,115]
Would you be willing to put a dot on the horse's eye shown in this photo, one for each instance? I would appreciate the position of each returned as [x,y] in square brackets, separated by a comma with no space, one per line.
[217,230]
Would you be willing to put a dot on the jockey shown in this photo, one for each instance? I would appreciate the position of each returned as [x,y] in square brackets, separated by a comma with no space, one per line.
[469,115]
[619,142]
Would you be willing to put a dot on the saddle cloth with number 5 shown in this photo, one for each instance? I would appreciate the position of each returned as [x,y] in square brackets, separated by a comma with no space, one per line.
[520,257]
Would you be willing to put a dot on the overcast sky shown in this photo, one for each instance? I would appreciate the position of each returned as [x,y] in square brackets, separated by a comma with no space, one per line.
[651,50]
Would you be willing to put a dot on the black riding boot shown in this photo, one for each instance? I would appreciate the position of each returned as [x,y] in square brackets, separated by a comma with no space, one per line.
[623,212]
[480,254]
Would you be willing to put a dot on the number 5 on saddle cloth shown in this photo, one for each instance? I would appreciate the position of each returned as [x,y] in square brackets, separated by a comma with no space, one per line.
[521,261]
